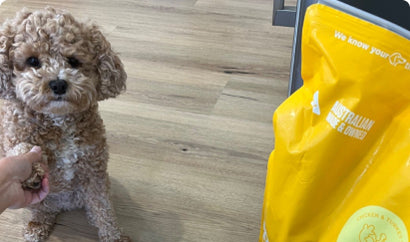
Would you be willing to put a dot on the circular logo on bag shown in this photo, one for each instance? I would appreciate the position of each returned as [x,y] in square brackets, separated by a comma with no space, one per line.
[373,224]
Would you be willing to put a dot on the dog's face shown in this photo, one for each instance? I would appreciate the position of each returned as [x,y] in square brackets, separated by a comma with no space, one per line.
[54,64]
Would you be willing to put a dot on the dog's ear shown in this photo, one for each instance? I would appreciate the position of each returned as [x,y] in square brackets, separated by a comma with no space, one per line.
[109,66]
[6,86]
[7,33]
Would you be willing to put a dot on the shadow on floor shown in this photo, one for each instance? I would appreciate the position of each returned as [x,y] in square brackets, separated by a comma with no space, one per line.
[142,224]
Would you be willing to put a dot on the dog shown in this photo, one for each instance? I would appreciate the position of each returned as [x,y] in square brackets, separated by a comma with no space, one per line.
[53,72]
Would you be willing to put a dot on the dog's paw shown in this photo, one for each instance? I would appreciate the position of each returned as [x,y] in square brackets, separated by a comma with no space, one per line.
[33,183]
[37,231]
[123,238]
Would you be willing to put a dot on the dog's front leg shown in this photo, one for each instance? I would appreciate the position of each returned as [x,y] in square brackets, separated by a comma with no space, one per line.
[100,211]
[41,223]
[37,174]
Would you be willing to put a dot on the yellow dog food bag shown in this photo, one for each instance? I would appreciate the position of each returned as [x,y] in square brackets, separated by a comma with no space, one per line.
[340,170]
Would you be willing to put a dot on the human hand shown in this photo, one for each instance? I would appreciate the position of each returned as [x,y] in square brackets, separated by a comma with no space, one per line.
[13,171]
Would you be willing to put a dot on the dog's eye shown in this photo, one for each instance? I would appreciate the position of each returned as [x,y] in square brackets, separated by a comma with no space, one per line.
[74,63]
[33,62]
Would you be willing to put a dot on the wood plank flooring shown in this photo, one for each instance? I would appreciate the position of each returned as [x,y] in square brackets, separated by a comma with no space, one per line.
[190,139]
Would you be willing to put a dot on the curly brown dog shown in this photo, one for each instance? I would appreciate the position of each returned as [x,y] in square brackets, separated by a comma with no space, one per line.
[53,72]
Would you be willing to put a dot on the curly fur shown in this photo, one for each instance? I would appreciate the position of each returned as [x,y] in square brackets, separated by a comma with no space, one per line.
[67,127]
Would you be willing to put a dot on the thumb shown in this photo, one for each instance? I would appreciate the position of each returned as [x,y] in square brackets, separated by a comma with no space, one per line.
[21,165]
[34,155]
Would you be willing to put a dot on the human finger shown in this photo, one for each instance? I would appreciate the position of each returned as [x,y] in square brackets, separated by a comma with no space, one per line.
[32,197]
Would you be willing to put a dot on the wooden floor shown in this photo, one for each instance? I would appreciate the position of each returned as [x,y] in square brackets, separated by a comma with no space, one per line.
[190,138]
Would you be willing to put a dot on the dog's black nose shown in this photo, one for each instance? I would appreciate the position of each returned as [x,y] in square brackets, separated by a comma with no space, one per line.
[59,87]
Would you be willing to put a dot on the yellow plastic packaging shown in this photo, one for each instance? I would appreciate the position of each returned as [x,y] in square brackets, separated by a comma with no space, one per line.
[340,170]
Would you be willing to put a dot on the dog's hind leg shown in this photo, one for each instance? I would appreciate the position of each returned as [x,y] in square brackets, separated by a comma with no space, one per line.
[44,214]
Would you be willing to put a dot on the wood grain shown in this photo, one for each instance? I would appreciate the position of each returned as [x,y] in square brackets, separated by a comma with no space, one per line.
[190,139]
